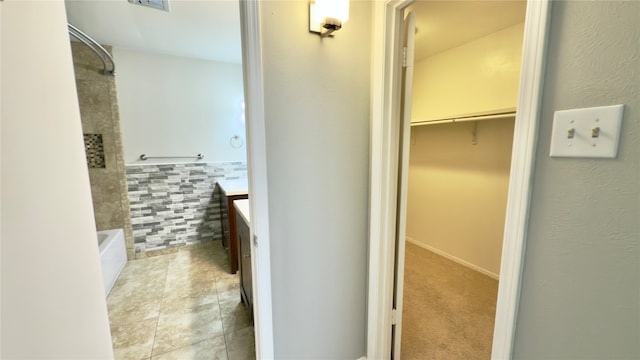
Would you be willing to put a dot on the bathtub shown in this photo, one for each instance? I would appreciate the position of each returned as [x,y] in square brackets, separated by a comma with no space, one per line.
[113,256]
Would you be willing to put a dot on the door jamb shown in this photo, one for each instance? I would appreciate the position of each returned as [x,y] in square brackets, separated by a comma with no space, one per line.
[384,165]
[257,165]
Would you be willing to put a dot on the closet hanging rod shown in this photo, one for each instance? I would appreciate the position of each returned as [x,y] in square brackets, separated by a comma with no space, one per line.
[145,157]
[98,49]
[507,115]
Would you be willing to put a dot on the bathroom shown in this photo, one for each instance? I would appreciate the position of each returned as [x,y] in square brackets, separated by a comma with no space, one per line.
[159,135]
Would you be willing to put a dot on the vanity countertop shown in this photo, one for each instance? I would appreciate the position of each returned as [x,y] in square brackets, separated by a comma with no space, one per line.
[242,206]
[234,187]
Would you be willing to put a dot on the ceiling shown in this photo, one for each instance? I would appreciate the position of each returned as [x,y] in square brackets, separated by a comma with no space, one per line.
[210,29]
[443,25]
[193,28]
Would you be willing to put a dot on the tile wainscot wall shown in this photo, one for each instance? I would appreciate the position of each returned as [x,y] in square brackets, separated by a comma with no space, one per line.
[175,205]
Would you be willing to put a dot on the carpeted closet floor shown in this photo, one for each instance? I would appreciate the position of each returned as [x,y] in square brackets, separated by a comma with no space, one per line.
[449,309]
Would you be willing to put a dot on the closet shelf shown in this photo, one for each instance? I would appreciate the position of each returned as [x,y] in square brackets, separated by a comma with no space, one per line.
[503,115]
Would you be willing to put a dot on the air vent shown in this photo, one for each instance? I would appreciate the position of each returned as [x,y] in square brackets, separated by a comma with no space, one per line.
[156,4]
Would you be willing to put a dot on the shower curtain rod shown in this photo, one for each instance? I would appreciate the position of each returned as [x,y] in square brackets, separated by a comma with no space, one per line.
[505,115]
[103,54]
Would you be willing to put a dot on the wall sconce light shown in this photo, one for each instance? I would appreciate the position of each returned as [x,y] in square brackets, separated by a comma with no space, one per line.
[327,16]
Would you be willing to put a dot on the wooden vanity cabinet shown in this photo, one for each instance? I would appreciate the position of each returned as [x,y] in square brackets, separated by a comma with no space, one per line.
[229,228]
[230,191]
[244,262]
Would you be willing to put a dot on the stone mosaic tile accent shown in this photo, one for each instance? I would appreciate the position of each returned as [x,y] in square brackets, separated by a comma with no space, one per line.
[175,205]
[94,150]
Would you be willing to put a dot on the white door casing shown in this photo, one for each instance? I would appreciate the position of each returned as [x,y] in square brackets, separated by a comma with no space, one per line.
[383,183]
[521,174]
[385,142]
[257,166]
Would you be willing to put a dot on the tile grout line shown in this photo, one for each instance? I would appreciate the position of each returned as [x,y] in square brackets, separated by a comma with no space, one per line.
[155,331]
[224,332]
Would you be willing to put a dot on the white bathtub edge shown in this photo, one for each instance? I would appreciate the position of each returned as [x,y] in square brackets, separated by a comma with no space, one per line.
[113,257]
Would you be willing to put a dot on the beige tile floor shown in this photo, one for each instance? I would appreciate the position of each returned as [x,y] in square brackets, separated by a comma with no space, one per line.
[183,305]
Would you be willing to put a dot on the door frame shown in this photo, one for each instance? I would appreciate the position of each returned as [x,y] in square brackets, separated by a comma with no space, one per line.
[257,165]
[385,133]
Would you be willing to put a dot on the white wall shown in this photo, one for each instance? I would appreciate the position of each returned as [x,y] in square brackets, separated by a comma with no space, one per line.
[458,191]
[580,290]
[53,302]
[175,106]
[317,135]
[477,77]
[580,294]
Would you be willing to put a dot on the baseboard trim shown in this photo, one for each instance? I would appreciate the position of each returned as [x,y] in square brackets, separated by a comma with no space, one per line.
[455,259]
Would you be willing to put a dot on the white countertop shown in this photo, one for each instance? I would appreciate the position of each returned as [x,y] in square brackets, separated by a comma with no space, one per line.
[234,187]
[242,207]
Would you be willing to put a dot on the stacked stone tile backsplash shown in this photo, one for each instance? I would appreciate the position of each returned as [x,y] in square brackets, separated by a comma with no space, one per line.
[175,205]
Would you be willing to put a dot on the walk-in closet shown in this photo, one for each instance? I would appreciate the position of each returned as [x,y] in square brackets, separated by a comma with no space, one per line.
[465,91]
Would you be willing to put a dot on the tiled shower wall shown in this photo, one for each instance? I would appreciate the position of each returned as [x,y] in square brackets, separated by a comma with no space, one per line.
[103,142]
[174,205]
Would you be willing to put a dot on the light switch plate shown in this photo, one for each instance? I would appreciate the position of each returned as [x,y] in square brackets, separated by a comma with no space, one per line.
[587,133]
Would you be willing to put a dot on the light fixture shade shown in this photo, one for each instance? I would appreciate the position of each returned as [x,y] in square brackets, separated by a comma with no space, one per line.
[331,9]
[336,9]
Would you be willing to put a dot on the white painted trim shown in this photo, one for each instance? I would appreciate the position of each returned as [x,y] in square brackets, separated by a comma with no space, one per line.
[257,173]
[387,17]
[520,180]
[383,182]
[454,258]
[408,42]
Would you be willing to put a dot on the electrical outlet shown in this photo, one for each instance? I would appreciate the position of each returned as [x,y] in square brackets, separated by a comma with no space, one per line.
[587,133]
